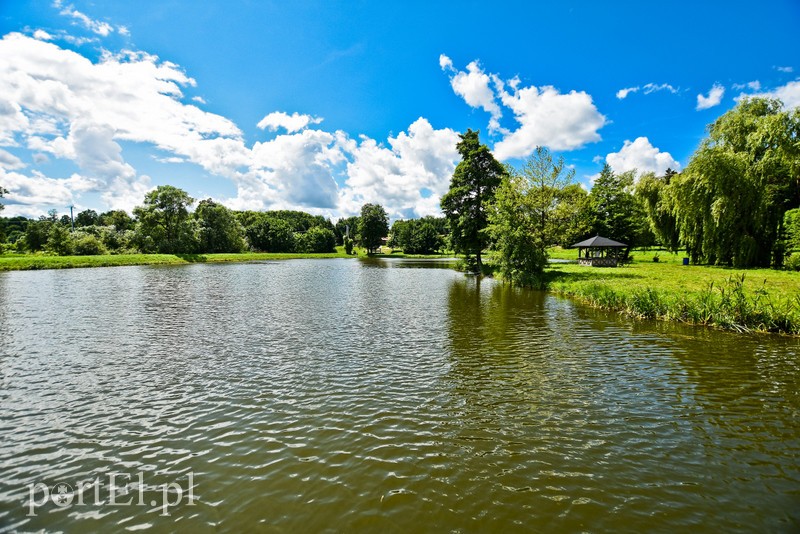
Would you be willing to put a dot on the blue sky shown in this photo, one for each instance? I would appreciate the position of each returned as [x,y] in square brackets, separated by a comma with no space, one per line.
[323,106]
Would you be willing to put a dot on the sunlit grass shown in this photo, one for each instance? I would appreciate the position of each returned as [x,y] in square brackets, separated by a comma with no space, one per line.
[37,261]
[739,299]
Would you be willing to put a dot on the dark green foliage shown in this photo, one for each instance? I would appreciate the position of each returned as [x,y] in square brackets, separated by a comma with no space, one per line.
[119,219]
[219,231]
[416,236]
[730,201]
[87,244]
[348,245]
[616,213]
[86,218]
[37,233]
[316,239]
[571,219]
[373,227]
[472,188]
[270,235]
[59,240]
[651,192]
[163,222]
[345,224]
[791,226]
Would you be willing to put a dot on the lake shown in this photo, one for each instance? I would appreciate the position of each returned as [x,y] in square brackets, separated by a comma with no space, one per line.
[378,396]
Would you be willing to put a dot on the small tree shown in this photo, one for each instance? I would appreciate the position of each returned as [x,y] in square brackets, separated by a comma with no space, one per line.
[374,226]
[59,240]
[316,239]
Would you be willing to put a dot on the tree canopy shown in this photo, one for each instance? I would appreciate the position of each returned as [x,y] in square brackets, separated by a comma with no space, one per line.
[472,188]
[730,202]
[373,227]
[522,221]
[164,220]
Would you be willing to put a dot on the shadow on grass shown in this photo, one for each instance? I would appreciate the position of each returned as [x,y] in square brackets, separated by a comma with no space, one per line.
[554,274]
[192,258]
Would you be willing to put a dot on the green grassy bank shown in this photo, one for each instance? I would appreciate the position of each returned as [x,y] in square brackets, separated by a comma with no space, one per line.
[16,262]
[762,300]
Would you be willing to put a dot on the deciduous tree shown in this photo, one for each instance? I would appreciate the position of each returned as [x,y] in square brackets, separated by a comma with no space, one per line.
[373,227]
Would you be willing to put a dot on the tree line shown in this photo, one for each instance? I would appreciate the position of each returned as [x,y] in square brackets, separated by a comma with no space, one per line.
[735,204]
[165,223]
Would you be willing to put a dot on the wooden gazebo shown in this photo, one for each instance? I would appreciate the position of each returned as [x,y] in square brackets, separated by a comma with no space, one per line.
[600,252]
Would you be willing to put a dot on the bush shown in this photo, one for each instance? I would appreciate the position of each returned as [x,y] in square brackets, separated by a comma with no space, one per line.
[348,245]
[87,245]
[316,239]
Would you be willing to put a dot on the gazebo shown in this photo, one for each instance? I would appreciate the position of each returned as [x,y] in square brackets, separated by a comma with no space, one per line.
[600,252]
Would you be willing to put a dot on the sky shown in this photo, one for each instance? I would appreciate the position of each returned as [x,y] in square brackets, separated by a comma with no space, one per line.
[323,106]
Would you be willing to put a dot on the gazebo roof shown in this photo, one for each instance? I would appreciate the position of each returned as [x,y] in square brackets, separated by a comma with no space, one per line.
[598,241]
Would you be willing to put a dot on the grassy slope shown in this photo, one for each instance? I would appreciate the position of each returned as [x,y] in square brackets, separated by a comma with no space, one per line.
[765,300]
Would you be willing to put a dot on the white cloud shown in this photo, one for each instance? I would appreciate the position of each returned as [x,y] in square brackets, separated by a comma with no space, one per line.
[42,35]
[789,94]
[29,193]
[549,118]
[713,99]
[785,69]
[642,156]
[623,93]
[475,87]
[755,85]
[546,117]
[97,26]
[646,89]
[9,161]
[653,87]
[423,158]
[291,123]
[59,105]
[199,99]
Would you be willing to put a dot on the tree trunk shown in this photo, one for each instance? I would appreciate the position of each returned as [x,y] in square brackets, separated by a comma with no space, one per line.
[478,262]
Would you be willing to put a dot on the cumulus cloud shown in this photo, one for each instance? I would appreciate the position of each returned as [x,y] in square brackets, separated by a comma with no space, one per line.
[713,99]
[789,94]
[642,156]
[545,116]
[58,105]
[421,159]
[291,123]
[475,87]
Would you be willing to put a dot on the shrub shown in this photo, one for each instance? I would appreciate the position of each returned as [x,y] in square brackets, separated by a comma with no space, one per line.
[87,245]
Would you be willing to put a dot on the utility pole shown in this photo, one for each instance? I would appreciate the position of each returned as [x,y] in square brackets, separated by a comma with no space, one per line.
[71,219]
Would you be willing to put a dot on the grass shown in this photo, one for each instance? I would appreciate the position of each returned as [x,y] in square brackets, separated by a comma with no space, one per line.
[17,262]
[763,300]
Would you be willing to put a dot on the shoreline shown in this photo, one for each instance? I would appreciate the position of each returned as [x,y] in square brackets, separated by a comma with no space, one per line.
[740,300]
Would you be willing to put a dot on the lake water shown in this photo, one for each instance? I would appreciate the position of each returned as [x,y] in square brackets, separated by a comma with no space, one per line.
[378,396]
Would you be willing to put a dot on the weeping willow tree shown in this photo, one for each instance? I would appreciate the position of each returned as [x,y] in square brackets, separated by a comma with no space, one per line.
[730,201]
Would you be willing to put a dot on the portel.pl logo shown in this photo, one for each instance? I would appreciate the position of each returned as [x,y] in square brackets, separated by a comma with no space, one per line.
[121,489]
